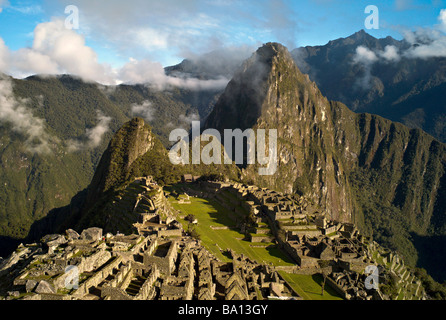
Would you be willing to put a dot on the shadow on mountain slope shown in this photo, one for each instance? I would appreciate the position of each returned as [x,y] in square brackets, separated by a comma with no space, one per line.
[431,255]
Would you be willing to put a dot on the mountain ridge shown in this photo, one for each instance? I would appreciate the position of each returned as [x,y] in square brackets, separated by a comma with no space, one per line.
[401,87]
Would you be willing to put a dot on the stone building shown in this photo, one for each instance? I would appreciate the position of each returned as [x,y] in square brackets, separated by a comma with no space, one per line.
[164,256]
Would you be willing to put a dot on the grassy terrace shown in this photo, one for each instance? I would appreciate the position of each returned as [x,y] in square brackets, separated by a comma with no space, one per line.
[309,286]
[210,214]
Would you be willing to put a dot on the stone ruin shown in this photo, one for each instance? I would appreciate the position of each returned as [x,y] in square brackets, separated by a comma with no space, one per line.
[161,263]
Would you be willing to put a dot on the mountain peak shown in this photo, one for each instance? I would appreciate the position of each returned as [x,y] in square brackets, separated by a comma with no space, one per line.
[361,35]
[243,101]
[131,141]
[270,50]
[271,93]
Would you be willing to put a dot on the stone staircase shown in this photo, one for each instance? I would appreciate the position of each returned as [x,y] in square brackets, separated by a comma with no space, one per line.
[135,285]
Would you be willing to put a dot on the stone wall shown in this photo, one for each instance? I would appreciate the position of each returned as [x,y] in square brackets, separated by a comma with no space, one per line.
[147,290]
[337,288]
[97,278]
[165,264]
[97,259]
[261,238]
[170,233]
[112,293]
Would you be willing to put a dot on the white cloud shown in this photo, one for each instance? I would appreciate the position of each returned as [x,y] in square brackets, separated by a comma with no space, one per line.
[187,119]
[390,53]
[152,73]
[68,49]
[15,112]
[93,136]
[57,50]
[4,56]
[144,110]
[197,84]
[141,28]
[442,19]
[150,38]
[364,55]
[434,49]
[366,58]
[142,71]
[424,43]
[427,42]
[27,61]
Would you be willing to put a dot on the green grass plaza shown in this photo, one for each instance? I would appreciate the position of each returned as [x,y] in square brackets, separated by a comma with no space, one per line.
[215,228]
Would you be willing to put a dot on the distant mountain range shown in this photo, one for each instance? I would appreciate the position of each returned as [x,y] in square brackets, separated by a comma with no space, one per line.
[395,86]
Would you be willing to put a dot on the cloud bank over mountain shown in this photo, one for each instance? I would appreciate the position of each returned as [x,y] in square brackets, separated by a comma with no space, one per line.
[58,50]
[140,32]
[423,43]
[15,113]
[93,136]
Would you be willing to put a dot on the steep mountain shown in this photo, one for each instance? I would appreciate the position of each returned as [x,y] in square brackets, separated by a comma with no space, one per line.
[396,86]
[134,151]
[269,92]
[131,141]
[387,178]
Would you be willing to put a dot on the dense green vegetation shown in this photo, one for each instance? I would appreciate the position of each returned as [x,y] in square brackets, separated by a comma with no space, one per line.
[398,187]
[383,221]
[433,289]
[33,184]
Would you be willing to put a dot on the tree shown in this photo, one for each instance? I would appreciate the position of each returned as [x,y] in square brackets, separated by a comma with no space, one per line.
[190,218]
[194,234]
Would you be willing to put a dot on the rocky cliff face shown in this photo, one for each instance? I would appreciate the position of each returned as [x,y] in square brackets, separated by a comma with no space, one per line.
[362,168]
[270,92]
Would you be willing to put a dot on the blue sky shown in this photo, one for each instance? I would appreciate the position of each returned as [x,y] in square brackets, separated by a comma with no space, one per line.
[170,30]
